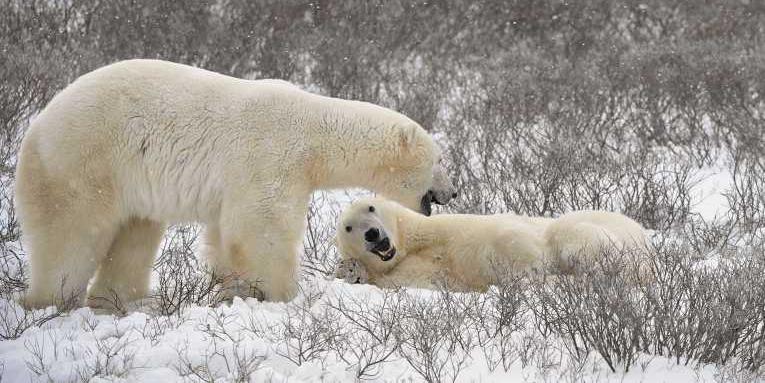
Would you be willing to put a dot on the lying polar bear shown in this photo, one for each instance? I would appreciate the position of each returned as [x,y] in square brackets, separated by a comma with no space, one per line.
[386,244]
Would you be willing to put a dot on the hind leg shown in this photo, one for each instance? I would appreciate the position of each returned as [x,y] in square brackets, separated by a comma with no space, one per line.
[124,274]
[63,254]
[67,227]
[571,243]
[67,205]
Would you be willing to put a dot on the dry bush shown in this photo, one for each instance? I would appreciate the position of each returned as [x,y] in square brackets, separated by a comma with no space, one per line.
[550,163]
[184,280]
[105,355]
[156,326]
[39,361]
[746,196]
[13,270]
[596,308]
[320,256]
[307,331]
[435,337]
[713,237]
[707,314]
[110,358]
[239,363]
[499,315]
[663,303]
[227,354]
[14,319]
[370,338]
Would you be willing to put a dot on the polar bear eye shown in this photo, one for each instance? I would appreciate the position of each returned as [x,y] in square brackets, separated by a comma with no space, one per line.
[348,229]
[371,209]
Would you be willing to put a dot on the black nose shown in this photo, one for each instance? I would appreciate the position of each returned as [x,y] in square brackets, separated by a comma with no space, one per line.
[372,235]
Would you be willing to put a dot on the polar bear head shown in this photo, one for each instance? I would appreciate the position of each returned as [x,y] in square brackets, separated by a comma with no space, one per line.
[359,144]
[403,163]
[419,193]
[368,231]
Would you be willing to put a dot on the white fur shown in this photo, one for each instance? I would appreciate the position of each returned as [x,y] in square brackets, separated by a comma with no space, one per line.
[132,146]
[468,249]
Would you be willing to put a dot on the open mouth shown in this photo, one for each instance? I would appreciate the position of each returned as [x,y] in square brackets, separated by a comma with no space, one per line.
[385,255]
[384,250]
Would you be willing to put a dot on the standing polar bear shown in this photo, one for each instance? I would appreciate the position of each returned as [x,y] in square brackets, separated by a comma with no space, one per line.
[130,147]
[388,245]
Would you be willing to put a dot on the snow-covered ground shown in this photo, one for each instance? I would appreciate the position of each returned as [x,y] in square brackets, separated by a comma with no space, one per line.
[223,343]
[310,339]
[713,181]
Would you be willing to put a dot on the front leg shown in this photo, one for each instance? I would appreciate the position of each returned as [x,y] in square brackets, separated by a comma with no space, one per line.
[258,253]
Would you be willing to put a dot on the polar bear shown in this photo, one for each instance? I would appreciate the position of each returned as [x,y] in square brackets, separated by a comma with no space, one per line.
[130,147]
[386,244]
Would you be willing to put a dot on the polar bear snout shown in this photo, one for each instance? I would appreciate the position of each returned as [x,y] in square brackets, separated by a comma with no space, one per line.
[441,192]
[372,235]
[378,243]
[425,207]
[437,197]
[441,197]
[443,189]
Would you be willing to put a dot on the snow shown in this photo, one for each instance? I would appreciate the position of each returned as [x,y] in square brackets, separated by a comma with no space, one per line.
[710,201]
[154,349]
[221,343]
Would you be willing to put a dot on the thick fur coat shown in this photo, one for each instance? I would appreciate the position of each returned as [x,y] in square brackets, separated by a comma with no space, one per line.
[386,244]
[128,148]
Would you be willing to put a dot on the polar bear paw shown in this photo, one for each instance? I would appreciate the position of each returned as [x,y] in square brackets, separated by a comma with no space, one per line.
[352,271]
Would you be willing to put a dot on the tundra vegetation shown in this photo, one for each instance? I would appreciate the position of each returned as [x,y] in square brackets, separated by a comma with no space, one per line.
[651,108]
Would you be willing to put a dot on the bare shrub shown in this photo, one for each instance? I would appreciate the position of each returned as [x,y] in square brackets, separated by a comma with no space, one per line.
[656,190]
[435,337]
[498,316]
[307,331]
[225,348]
[13,270]
[15,319]
[106,354]
[320,256]
[677,303]
[662,303]
[110,358]
[370,341]
[596,308]
[706,238]
[156,326]
[239,363]
[39,360]
[36,363]
[184,280]
[737,317]
[707,314]
[746,196]
[544,163]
